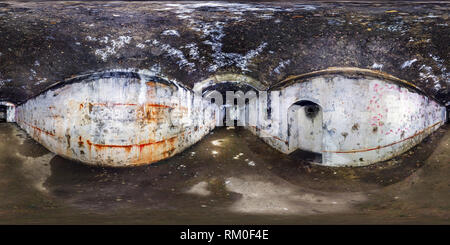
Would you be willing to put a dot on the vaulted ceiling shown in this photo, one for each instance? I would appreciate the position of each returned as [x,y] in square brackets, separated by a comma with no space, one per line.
[44,43]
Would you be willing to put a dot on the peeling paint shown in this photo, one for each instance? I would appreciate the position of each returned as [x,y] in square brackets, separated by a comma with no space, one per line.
[170,33]
[131,121]
[389,118]
[112,48]
[177,54]
[281,66]
[408,63]
[377,66]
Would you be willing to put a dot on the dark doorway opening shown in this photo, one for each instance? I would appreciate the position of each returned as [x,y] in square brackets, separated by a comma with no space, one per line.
[305,130]
[240,115]
[3,113]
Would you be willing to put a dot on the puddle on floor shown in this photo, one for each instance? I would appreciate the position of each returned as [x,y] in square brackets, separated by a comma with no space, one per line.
[229,177]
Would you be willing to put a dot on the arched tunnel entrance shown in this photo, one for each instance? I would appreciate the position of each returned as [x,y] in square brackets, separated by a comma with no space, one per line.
[305,130]
[7,112]
[237,103]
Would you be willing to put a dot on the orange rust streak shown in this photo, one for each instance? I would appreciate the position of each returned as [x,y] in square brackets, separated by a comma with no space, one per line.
[124,104]
[155,84]
[128,147]
[97,104]
[38,129]
[384,146]
[129,104]
[275,137]
[159,105]
[113,104]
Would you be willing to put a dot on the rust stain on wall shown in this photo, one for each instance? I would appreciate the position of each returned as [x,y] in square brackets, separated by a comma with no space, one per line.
[128,147]
[138,125]
[38,129]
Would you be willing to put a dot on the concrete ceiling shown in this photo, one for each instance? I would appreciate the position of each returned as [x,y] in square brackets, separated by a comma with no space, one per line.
[43,43]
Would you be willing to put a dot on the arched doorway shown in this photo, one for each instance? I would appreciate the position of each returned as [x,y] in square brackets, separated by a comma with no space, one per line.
[305,130]
[7,111]
[238,103]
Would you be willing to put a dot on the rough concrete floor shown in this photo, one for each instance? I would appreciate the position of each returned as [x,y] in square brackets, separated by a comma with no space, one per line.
[227,178]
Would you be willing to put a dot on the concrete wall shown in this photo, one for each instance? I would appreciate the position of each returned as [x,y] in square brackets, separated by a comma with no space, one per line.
[365,120]
[117,121]
[123,119]
[305,128]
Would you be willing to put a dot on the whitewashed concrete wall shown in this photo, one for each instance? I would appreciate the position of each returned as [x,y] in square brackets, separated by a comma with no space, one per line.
[306,131]
[10,111]
[131,121]
[117,121]
[365,120]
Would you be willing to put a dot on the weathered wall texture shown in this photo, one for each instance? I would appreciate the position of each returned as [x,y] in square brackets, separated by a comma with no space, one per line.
[260,44]
[305,128]
[127,118]
[11,113]
[365,119]
[117,119]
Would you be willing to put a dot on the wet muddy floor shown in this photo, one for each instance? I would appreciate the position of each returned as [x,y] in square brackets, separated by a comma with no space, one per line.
[229,177]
